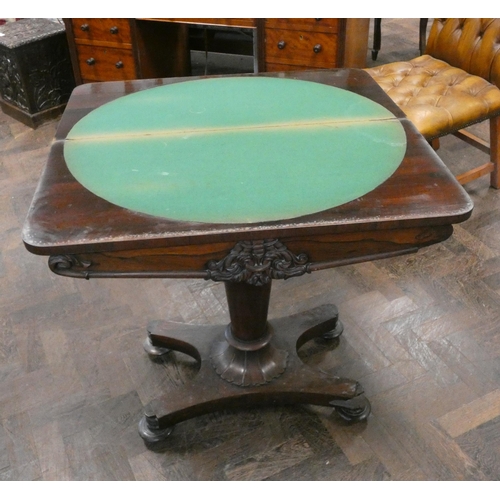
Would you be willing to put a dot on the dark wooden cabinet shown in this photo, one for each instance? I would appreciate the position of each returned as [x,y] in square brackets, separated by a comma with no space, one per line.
[36,77]
[124,49]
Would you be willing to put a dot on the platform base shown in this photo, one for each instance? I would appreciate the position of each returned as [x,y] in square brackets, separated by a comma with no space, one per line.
[292,381]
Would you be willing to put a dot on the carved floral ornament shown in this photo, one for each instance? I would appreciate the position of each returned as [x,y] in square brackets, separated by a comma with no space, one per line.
[258,262]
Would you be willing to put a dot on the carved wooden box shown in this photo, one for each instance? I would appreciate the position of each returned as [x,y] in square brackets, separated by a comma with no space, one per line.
[36,77]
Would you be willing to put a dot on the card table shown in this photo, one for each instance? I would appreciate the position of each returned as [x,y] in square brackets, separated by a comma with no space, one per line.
[243,180]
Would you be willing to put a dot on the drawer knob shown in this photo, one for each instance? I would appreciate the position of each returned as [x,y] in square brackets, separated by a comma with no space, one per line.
[317,48]
[119,64]
[90,61]
[113,30]
[84,27]
[281,44]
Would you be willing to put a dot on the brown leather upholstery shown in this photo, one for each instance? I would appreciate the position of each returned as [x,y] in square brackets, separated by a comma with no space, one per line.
[437,97]
[449,87]
[469,44]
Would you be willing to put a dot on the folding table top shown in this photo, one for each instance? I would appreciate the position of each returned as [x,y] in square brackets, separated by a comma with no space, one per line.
[160,162]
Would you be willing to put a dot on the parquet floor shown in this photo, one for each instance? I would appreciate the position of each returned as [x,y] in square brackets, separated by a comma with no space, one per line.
[421,334]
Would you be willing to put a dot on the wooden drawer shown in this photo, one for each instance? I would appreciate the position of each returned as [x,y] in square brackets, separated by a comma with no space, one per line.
[326,25]
[315,50]
[112,31]
[105,64]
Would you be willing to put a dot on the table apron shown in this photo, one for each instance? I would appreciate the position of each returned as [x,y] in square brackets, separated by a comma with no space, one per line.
[250,261]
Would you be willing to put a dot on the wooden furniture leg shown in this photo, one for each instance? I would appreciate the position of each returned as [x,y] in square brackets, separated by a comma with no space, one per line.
[495,151]
[491,148]
[377,38]
[422,41]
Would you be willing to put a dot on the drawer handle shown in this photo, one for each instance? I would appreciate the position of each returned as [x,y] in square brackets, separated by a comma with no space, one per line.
[90,61]
[317,48]
[281,44]
[113,30]
[84,27]
[318,18]
[119,64]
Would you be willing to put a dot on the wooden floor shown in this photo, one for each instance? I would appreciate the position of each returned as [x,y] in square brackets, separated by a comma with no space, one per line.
[421,335]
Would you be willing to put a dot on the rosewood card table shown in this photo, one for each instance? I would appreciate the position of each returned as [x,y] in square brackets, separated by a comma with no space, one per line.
[243,180]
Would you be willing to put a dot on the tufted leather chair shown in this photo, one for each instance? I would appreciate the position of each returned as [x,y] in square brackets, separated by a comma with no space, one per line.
[456,83]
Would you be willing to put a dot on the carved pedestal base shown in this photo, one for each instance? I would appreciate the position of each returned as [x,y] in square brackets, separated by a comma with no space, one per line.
[273,374]
[248,367]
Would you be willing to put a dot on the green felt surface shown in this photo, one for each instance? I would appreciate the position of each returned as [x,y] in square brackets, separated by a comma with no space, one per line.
[235,149]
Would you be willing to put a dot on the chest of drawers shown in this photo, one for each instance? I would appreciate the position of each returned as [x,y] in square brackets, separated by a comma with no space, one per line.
[115,49]
[125,49]
[102,49]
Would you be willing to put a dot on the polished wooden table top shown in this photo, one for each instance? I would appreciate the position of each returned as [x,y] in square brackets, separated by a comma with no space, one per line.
[66,217]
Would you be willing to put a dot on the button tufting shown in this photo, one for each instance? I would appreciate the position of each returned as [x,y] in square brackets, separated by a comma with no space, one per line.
[439,97]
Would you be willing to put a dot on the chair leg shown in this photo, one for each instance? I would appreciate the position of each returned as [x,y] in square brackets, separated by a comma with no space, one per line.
[495,151]
[377,37]
[422,42]
[435,144]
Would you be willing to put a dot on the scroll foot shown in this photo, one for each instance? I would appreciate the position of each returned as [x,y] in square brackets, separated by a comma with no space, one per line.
[352,410]
[150,431]
[153,351]
[335,333]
